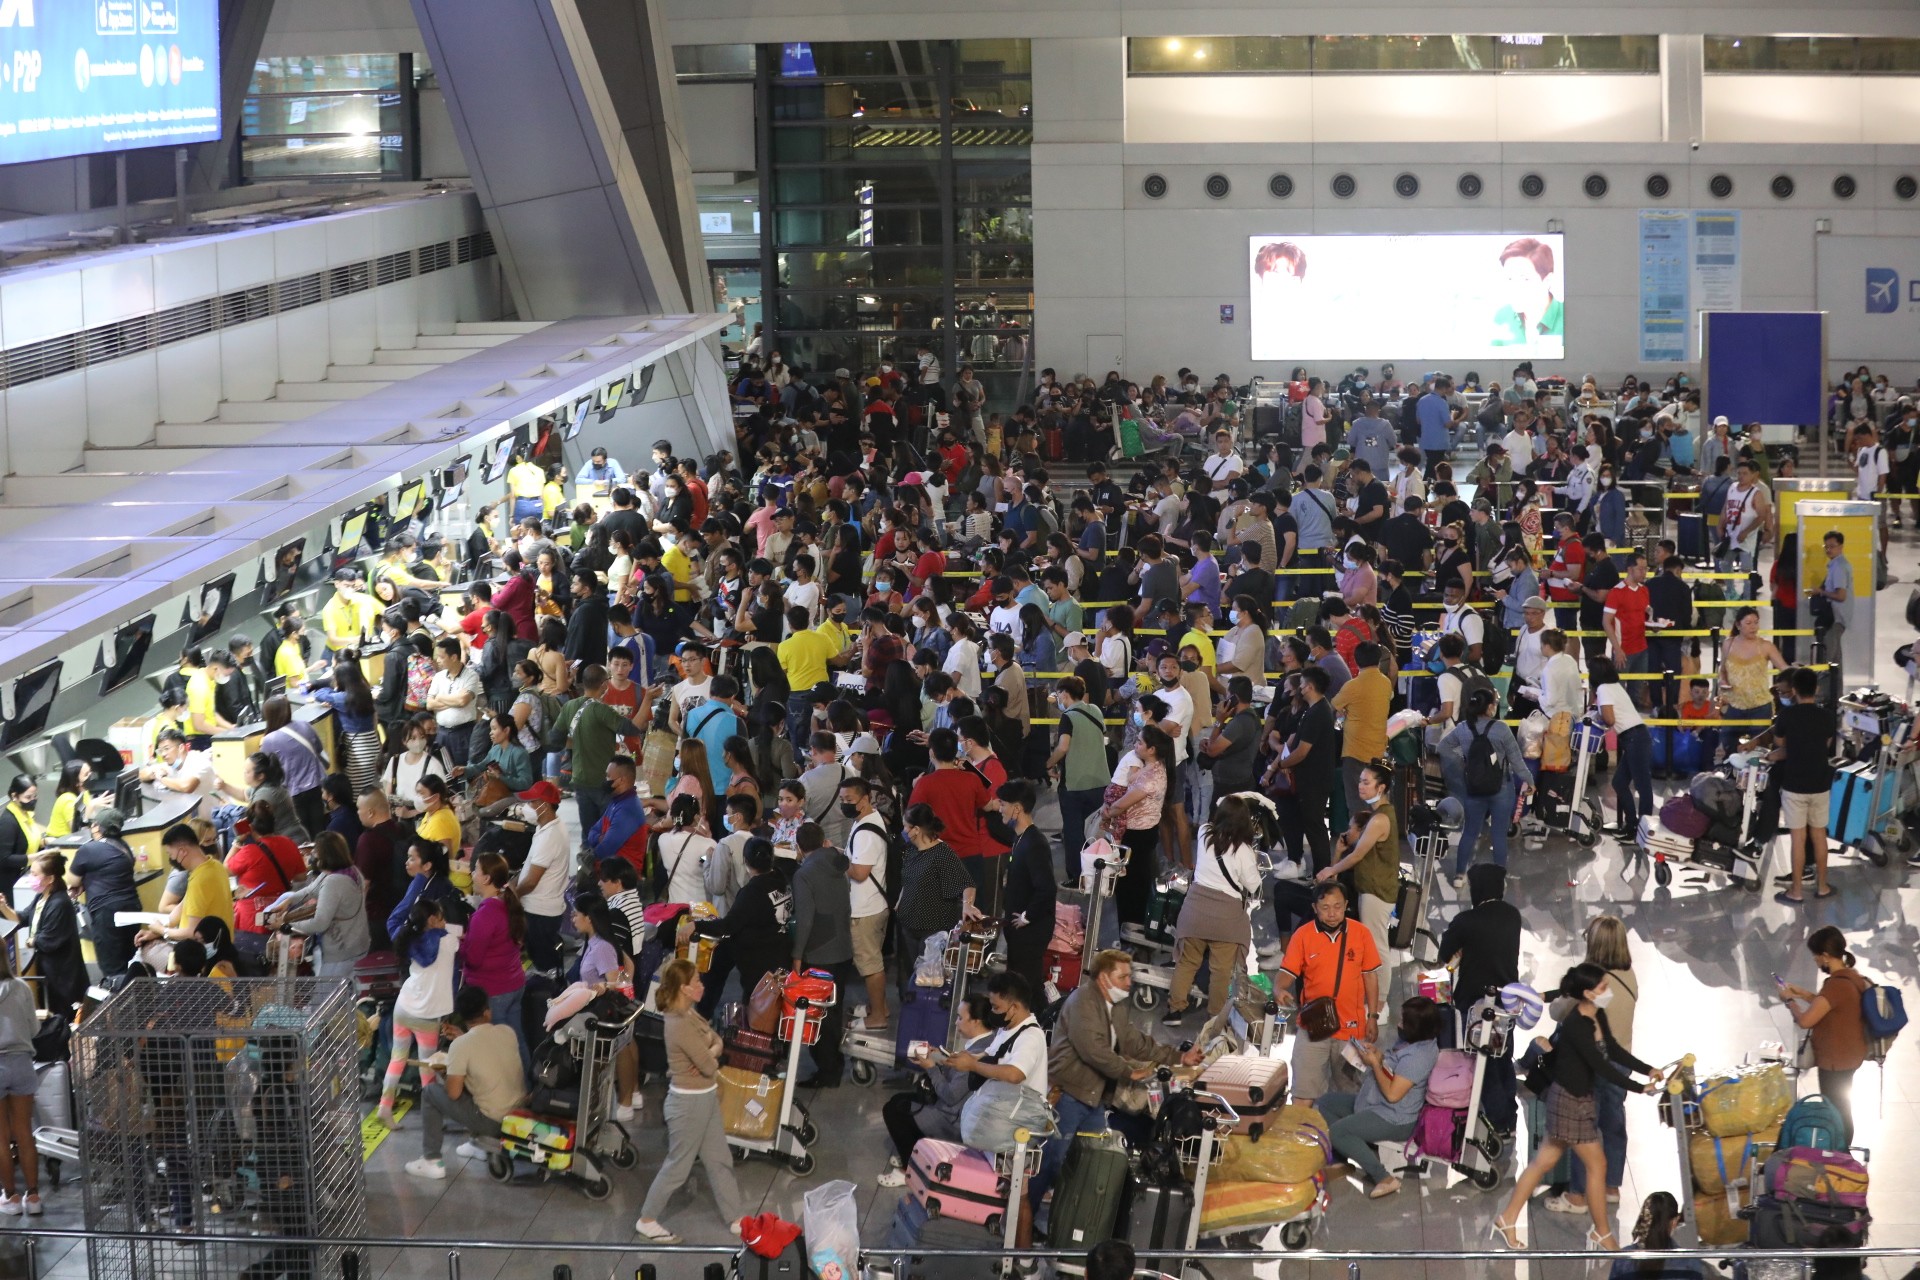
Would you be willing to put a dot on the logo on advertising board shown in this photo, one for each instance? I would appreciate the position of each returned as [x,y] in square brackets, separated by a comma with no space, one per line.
[1883,290]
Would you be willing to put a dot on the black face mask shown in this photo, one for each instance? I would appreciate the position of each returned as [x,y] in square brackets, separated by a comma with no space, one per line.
[994,1021]
[1189,666]
[1169,681]
[849,810]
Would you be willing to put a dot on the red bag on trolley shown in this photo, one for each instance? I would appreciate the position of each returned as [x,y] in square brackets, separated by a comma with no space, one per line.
[816,987]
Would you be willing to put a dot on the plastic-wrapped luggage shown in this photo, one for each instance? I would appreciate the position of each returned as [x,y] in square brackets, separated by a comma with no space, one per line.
[1229,1205]
[1716,1224]
[1295,1146]
[541,1139]
[750,1103]
[1747,1099]
[1718,1161]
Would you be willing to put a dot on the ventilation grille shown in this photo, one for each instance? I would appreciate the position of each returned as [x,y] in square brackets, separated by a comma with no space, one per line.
[1469,186]
[1595,186]
[1844,187]
[1343,185]
[1406,186]
[1658,185]
[1218,186]
[54,356]
[1533,186]
[1905,187]
[1280,186]
[1720,185]
[1782,187]
[1155,186]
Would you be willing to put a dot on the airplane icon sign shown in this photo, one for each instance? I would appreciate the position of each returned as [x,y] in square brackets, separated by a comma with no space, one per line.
[1883,290]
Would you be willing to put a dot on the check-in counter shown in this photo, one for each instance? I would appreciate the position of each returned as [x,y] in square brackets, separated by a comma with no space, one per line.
[232,747]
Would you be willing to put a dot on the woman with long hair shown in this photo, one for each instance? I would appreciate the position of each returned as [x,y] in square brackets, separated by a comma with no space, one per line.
[1832,1019]
[1607,950]
[1745,676]
[1037,650]
[604,966]
[69,799]
[352,701]
[692,1110]
[339,917]
[18,1022]
[1213,923]
[742,775]
[490,953]
[264,865]
[425,999]
[550,655]
[297,747]
[1581,1052]
[1653,1231]
[1133,814]
[680,852]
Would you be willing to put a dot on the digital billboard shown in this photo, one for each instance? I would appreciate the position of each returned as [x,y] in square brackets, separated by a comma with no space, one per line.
[79,76]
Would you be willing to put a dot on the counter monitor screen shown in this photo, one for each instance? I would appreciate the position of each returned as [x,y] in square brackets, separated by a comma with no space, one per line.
[353,526]
[285,573]
[126,792]
[33,696]
[208,611]
[130,645]
[410,494]
[610,399]
[453,482]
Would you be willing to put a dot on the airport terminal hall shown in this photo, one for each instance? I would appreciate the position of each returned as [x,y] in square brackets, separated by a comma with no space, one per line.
[889,640]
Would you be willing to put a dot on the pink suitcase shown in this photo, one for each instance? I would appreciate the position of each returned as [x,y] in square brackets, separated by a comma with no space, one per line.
[952,1181]
[1254,1087]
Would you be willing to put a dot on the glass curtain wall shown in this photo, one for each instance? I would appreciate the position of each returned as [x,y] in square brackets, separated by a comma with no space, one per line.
[897,179]
[352,115]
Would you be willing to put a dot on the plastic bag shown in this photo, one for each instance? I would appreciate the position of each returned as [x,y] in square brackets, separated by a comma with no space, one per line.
[830,1221]
[1533,733]
[1293,1147]
[996,1110]
[1069,928]
[1745,1100]
[930,970]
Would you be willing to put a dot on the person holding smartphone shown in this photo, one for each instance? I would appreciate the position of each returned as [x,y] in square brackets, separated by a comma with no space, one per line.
[911,1115]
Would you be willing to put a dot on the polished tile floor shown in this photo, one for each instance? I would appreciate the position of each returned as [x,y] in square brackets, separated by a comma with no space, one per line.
[1703,955]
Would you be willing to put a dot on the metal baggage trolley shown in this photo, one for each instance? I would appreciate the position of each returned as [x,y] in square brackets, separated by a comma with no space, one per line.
[599,1139]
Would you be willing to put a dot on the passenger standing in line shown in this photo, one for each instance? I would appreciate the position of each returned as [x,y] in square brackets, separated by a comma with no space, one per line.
[1832,1017]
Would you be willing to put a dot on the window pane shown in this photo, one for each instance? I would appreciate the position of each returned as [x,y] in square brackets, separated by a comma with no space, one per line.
[1012,225]
[1812,55]
[713,61]
[861,269]
[855,185]
[872,100]
[1576,53]
[859,58]
[908,227]
[335,71]
[1402,53]
[829,144]
[264,159]
[910,309]
[992,57]
[991,100]
[976,264]
[1010,182]
[320,113]
[1191,55]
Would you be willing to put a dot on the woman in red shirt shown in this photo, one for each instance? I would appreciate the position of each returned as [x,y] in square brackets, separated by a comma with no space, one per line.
[265,865]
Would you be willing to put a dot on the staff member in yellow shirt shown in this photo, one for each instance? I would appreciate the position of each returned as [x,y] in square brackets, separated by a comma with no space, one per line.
[553,495]
[288,657]
[172,715]
[526,482]
[203,717]
[348,618]
[805,656]
[681,553]
[209,893]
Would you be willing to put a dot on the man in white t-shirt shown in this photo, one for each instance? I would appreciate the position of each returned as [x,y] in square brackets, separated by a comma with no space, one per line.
[1457,617]
[696,682]
[543,878]
[1004,617]
[1017,1054]
[1223,464]
[1869,464]
[454,696]
[180,769]
[1178,722]
[867,845]
[1749,509]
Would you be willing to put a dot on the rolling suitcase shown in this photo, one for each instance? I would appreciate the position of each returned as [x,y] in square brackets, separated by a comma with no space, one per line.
[1156,1218]
[753,1051]
[1692,536]
[650,1039]
[1407,915]
[952,1181]
[1851,800]
[1254,1087]
[914,1228]
[1086,1199]
[52,1095]
[922,1016]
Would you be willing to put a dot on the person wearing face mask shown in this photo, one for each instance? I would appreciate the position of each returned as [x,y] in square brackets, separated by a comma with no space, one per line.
[1392,1092]
[1079,765]
[1583,1051]
[912,1115]
[1028,893]
[1607,951]
[1610,508]
[208,891]
[1214,922]
[1832,1018]
[621,831]
[1096,1047]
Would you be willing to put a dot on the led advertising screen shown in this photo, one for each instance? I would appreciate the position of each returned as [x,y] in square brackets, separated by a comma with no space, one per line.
[79,76]
[1440,297]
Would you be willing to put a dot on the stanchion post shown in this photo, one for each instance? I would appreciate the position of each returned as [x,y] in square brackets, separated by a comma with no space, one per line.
[453,1264]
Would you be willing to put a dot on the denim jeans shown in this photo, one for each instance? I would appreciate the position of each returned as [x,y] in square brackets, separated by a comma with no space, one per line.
[1075,1116]
[1354,1133]
[799,720]
[1634,774]
[543,942]
[1496,812]
[505,1010]
[1663,654]
[1610,1112]
[1640,662]
[1075,808]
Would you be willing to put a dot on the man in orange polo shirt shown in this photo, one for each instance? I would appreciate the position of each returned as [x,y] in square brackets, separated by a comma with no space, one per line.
[1329,956]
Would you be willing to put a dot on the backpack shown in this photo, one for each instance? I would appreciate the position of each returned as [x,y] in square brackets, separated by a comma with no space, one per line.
[553,730]
[1485,777]
[1470,678]
[1305,613]
[1884,1012]
[1813,1121]
[1293,424]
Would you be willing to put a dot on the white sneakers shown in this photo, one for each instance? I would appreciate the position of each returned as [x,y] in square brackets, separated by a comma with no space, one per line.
[470,1151]
[630,1108]
[425,1168]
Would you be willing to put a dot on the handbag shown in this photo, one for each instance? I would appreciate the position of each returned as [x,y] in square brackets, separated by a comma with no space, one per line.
[1804,1058]
[762,1010]
[1319,1018]
[1820,609]
[1556,746]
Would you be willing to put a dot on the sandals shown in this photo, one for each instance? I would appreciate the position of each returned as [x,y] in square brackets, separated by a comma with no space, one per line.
[1507,1233]
[1596,1240]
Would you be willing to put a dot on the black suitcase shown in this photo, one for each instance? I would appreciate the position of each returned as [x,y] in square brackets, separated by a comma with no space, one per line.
[1266,420]
[1800,1224]
[1408,915]
[1553,797]
[1692,537]
[650,1034]
[1155,1219]
[512,840]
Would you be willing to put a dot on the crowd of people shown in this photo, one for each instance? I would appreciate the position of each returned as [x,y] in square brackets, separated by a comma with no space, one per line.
[885,610]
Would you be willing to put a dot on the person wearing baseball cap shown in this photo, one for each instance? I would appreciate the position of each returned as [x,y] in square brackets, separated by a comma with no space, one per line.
[1079,654]
[543,879]
[1529,660]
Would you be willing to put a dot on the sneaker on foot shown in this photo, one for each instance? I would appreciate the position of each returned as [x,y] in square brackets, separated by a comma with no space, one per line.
[1560,1204]
[33,1206]
[425,1168]
[1173,1017]
[1460,881]
[892,1178]
[623,1112]
[470,1151]
[10,1205]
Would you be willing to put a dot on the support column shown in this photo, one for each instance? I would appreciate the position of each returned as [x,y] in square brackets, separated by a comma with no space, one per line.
[1682,70]
[567,114]
[1079,126]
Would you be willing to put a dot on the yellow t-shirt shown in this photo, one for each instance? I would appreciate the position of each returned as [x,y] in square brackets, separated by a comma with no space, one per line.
[345,619]
[66,810]
[1366,700]
[675,562]
[552,498]
[200,708]
[288,662]
[526,480]
[803,656]
[209,893]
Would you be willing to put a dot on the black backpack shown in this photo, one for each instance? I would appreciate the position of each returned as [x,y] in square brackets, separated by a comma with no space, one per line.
[1470,678]
[1485,776]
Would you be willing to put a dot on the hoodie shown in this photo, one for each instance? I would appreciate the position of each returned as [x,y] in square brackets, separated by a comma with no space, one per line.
[1486,937]
[822,910]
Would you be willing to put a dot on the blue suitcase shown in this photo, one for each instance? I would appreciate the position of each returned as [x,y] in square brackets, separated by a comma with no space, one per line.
[922,1016]
[1850,803]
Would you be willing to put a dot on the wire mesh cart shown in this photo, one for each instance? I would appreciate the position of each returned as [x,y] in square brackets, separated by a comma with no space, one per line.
[225,1108]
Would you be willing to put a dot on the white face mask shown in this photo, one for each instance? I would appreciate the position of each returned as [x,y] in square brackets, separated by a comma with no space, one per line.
[1117,997]
[1604,999]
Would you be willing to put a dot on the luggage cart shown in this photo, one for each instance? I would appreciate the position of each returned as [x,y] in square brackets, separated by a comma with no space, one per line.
[1578,815]
[795,1132]
[1432,826]
[1204,1149]
[1152,958]
[1741,861]
[968,952]
[1876,728]
[597,1136]
[1478,1148]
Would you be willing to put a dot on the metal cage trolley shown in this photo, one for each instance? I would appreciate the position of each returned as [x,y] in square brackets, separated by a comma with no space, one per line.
[575,1135]
[228,1109]
[794,1132]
